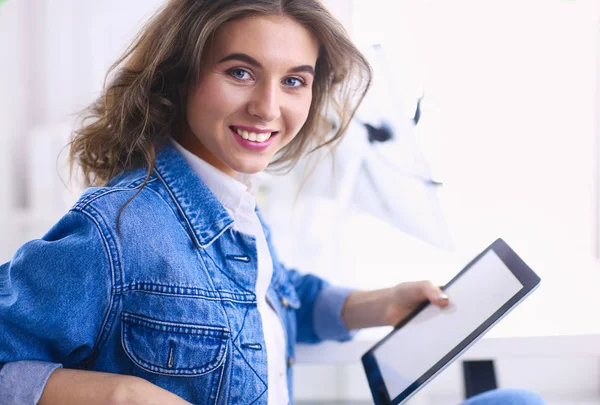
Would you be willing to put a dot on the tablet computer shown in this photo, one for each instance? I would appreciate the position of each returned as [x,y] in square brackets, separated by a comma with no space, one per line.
[431,338]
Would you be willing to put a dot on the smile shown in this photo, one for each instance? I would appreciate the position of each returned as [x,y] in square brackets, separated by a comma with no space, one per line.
[253,136]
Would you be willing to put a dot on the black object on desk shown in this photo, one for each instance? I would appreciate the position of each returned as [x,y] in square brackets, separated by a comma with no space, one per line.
[480,376]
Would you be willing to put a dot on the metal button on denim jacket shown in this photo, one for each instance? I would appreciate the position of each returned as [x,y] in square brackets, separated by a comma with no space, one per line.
[168,297]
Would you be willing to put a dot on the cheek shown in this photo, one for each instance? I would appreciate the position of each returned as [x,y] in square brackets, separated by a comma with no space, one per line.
[221,102]
[298,113]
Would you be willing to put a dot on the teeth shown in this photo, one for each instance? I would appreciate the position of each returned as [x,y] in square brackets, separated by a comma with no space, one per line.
[251,136]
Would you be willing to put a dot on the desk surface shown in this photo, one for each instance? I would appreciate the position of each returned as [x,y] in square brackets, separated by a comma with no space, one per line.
[562,317]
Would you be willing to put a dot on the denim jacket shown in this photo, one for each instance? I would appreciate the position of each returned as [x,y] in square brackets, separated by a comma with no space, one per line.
[168,296]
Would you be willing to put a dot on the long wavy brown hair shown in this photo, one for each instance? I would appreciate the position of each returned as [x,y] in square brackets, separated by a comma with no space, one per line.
[144,97]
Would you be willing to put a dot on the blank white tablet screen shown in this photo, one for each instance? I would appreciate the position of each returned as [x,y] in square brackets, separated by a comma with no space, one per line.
[417,346]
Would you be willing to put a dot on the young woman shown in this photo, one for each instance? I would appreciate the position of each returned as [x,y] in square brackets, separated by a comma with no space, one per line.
[161,286]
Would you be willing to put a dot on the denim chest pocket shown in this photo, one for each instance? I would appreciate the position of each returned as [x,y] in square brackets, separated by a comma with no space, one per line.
[173,349]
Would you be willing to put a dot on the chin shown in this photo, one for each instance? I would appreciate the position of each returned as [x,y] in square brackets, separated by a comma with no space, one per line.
[250,167]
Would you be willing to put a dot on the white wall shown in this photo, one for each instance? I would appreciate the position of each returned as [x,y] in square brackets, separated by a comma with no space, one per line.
[54,59]
[13,115]
[522,164]
[512,88]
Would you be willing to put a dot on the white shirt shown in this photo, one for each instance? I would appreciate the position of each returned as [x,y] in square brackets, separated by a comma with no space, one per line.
[239,202]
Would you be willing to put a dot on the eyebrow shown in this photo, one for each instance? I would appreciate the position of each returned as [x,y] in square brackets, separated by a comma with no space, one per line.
[242,57]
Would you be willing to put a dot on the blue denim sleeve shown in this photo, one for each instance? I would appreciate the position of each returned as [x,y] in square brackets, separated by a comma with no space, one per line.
[54,298]
[22,382]
[320,314]
[328,322]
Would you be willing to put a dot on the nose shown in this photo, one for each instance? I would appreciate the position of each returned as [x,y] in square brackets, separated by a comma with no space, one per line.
[264,103]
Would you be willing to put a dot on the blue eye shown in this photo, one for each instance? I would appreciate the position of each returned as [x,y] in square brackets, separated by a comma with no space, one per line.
[240,74]
[293,82]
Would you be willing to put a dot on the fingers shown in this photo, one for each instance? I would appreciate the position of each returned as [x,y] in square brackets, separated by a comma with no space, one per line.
[434,294]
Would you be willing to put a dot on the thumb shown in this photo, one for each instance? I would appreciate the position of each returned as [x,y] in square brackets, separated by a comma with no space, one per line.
[435,294]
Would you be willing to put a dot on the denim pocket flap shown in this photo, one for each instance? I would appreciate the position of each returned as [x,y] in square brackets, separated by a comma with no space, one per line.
[172,348]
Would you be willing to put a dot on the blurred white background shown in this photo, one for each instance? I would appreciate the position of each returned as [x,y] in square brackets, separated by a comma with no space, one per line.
[512,87]
[509,124]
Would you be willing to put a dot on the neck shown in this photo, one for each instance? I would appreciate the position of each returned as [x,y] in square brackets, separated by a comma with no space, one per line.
[192,144]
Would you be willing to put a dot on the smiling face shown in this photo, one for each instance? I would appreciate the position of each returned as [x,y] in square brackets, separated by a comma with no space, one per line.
[253,95]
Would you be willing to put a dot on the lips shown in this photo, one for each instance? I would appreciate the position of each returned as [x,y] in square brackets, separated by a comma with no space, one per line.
[252,134]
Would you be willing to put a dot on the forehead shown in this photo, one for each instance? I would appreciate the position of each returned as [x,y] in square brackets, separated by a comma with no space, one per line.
[269,39]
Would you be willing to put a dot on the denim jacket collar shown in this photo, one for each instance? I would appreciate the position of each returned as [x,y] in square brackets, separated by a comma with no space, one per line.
[188,191]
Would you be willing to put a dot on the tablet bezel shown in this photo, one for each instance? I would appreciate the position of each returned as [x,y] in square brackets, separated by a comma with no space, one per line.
[519,269]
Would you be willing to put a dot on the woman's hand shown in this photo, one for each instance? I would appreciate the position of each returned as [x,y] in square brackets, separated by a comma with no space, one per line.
[389,306]
[78,387]
[406,297]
